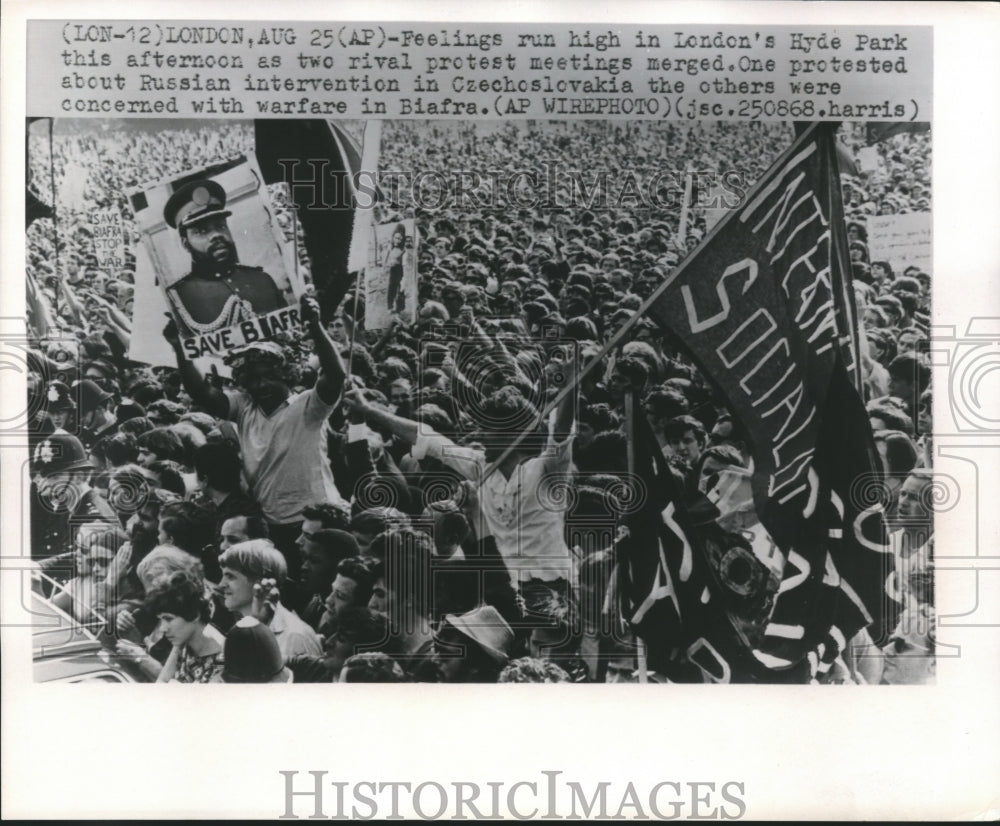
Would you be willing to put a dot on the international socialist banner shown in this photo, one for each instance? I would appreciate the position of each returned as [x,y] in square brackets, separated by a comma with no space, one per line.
[765,307]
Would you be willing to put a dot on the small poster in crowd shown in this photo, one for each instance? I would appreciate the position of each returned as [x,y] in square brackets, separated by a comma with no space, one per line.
[110,238]
[902,240]
[391,274]
[218,258]
[868,158]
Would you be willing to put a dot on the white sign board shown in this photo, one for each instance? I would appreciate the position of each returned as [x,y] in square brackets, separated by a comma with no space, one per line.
[902,240]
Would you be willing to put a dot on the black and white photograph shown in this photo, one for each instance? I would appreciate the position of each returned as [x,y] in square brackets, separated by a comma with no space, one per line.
[583,458]
[631,394]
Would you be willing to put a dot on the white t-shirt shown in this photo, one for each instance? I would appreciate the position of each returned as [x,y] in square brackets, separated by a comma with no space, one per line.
[293,635]
[527,512]
[284,454]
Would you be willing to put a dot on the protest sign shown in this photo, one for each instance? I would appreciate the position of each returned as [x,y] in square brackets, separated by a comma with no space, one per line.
[902,240]
[391,275]
[868,159]
[255,328]
[217,252]
[110,238]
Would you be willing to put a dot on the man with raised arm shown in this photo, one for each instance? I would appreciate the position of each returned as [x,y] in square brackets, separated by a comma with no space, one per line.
[523,503]
[282,434]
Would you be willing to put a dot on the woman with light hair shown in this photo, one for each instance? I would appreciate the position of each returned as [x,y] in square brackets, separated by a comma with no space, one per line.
[165,560]
[157,565]
[141,634]
[251,572]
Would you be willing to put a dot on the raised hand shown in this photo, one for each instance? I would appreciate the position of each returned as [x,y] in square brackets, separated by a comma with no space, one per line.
[467,498]
[265,600]
[355,404]
[119,566]
[125,623]
[171,333]
[309,309]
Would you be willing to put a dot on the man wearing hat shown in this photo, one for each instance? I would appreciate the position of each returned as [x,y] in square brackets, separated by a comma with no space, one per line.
[219,291]
[64,499]
[59,406]
[473,647]
[96,418]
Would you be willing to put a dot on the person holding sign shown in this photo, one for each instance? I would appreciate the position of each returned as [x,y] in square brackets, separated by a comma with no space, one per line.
[282,434]
[219,291]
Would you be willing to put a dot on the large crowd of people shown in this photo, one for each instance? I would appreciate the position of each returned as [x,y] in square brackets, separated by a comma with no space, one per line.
[349,506]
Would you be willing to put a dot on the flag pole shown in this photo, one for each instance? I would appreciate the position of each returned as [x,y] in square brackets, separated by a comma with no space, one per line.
[640,313]
[685,207]
[295,245]
[55,213]
[363,238]
[354,333]
[838,243]
[630,407]
[630,429]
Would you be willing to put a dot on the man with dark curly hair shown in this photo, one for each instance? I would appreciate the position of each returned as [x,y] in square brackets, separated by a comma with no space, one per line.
[282,434]
[183,609]
[372,667]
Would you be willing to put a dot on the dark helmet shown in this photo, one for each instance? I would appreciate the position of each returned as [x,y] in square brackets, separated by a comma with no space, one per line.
[90,394]
[58,453]
[58,397]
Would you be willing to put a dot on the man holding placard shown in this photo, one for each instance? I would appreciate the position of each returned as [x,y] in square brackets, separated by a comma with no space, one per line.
[282,433]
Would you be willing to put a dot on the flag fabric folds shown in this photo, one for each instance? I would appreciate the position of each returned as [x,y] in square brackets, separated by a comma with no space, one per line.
[34,207]
[690,590]
[318,160]
[878,131]
[765,307]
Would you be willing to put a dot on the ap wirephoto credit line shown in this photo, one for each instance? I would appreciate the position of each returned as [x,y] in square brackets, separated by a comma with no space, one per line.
[472,353]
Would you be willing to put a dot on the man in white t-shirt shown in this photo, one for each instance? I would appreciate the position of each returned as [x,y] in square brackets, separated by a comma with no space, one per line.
[523,502]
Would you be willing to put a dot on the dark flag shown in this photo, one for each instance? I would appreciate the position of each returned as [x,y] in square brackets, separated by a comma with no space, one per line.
[765,307]
[319,162]
[878,131]
[34,207]
[691,591]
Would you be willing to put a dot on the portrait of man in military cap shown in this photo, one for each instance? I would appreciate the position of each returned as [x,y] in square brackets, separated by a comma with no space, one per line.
[219,291]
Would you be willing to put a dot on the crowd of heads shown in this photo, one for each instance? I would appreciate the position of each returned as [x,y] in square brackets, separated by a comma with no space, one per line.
[394,586]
